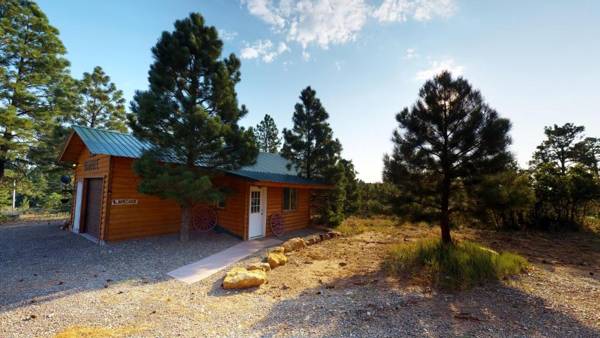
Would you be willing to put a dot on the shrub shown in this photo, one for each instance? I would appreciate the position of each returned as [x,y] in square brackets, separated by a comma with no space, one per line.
[454,267]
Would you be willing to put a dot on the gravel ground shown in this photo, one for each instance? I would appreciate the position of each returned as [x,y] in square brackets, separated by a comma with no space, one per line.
[331,289]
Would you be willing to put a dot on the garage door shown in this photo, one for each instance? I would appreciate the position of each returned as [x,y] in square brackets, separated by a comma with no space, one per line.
[93,206]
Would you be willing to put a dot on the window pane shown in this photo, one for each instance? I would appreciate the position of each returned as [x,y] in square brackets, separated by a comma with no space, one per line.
[255,202]
[286,199]
[293,199]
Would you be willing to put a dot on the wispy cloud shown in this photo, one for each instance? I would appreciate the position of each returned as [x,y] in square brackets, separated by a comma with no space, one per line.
[420,10]
[411,53]
[226,35]
[323,23]
[320,22]
[437,67]
[264,50]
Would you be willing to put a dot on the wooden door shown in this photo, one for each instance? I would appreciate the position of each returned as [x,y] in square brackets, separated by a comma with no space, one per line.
[93,206]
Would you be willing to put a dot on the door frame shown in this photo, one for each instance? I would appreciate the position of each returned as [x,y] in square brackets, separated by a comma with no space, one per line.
[263,204]
[78,206]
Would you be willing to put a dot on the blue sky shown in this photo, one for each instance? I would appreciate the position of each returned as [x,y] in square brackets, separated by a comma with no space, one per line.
[536,62]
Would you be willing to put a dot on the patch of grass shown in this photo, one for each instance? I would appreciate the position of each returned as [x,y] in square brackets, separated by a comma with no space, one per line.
[453,267]
[355,225]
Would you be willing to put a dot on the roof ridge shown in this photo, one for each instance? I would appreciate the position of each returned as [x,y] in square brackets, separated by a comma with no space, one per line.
[103,130]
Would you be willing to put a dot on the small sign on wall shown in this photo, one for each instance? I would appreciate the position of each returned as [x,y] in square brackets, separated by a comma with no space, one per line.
[90,165]
[124,201]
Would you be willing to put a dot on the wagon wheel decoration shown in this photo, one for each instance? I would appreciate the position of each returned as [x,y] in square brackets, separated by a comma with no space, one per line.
[204,218]
[276,223]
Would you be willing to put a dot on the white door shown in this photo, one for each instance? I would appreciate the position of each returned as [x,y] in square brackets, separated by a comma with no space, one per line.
[257,217]
[78,200]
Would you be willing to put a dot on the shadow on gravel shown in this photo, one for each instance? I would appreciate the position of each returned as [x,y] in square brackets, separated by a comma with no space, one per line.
[367,305]
[39,263]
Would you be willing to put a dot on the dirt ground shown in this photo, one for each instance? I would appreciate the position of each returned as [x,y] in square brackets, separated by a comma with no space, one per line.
[337,288]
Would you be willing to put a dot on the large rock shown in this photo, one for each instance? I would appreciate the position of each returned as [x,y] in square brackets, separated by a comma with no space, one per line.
[314,239]
[294,244]
[241,278]
[259,266]
[333,233]
[276,257]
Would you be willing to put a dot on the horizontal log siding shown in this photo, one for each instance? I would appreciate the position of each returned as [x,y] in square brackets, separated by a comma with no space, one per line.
[155,216]
[101,171]
[232,217]
[149,217]
[292,219]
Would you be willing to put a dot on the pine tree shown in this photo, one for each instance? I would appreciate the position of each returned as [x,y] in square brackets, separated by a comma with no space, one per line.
[190,115]
[32,75]
[309,145]
[559,146]
[101,104]
[450,136]
[312,150]
[267,135]
[352,194]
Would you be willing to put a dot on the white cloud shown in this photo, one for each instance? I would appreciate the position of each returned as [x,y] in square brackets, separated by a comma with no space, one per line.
[324,23]
[226,35]
[265,11]
[420,10]
[264,50]
[411,53]
[437,67]
[320,22]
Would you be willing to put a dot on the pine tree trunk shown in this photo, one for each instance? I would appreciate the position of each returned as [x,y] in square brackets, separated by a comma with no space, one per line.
[445,219]
[2,165]
[186,217]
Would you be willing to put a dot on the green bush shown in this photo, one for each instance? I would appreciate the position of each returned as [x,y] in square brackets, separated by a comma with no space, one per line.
[454,267]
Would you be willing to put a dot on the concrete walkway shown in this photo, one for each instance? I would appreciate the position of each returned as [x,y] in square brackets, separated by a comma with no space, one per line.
[207,266]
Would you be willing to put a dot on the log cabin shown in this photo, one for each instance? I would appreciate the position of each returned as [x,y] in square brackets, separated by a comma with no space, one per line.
[107,205]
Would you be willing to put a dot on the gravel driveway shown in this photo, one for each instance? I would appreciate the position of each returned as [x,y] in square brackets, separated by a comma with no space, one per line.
[42,262]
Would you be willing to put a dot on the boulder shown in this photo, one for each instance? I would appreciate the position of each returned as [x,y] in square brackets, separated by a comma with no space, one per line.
[294,244]
[333,234]
[314,239]
[277,249]
[276,258]
[259,266]
[241,278]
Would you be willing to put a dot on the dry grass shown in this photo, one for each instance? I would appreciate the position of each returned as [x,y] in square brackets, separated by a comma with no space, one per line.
[355,225]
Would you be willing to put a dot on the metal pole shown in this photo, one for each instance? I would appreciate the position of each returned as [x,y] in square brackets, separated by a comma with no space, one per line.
[14,193]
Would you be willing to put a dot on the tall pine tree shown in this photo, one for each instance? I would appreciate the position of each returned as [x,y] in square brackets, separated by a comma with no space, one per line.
[32,77]
[309,145]
[450,136]
[312,150]
[190,115]
[267,135]
[101,104]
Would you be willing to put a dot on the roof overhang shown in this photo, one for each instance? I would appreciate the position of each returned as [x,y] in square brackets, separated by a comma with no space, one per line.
[71,149]
[279,180]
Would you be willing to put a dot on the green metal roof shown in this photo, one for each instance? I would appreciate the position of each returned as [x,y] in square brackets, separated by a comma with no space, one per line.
[268,167]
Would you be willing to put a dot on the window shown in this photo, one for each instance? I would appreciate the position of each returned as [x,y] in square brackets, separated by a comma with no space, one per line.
[289,199]
[254,202]
[221,203]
